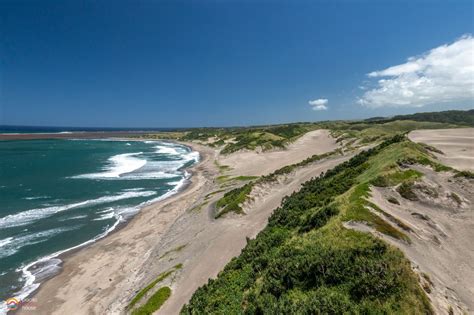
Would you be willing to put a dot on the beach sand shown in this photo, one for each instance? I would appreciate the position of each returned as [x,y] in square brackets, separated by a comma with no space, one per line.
[103,277]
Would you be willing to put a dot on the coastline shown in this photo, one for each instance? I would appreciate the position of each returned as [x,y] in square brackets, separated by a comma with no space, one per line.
[177,231]
[45,298]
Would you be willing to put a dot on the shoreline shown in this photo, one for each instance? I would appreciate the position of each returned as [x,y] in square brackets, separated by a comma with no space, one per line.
[67,255]
[180,230]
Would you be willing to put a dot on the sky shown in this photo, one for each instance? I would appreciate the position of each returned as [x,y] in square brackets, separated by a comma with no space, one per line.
[226,63]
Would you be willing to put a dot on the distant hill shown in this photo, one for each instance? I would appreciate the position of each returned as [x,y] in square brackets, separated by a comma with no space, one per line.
[459,117]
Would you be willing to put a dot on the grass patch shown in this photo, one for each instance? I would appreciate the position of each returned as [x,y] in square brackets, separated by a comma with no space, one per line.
[356,209]
[154,302]
[145,290]
[465,174]
[174,250]
[395,178]
[213,193]
[244,178]
[222,179]
[231,200]
[431,148]
[222,168]
[199,207]
[456,198]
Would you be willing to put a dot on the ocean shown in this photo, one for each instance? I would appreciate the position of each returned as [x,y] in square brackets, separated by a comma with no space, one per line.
[57,195]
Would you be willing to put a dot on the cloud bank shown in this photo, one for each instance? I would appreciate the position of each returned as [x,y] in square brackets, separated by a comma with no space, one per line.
[443,74]
[319,104]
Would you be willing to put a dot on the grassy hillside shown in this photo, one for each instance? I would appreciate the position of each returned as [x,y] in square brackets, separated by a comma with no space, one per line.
[233,139]
[368,132]
[460,117]
[306,262]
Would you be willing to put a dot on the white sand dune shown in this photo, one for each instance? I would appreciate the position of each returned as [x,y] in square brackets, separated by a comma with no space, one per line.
[255,164]
[457,145]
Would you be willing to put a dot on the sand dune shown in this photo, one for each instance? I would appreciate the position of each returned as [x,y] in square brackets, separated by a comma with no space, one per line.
[254,163]
[441,229]
[457,145]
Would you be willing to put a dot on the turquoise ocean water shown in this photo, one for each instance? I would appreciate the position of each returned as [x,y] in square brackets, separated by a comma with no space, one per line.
[59,194]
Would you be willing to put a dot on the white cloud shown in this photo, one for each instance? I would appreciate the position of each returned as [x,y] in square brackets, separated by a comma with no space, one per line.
[443,74]
[319,104]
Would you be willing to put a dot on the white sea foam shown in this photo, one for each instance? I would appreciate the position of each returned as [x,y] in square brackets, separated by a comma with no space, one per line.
[135,166]
[76,217]
[167,150]
[118,165]
[36,197]
[47,266]
[5,242]
[29,216]
[11,245]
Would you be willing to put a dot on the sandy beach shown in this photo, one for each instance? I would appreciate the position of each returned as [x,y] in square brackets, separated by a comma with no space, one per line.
[103,277]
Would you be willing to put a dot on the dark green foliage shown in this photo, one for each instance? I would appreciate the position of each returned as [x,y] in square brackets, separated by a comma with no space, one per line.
[459,117]
[319,218]
[303,262]
[393,200]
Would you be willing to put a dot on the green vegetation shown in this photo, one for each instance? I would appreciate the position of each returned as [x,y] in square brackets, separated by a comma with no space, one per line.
[370,130]
[459,117]
[213,193]
[199,207]
[395,178]
[222,168]
[174,250]
[145,290]
[431,148]
[393,200]
[306,262]
[357,208]
[244,178]
[465,174]
[231,200]
[406,191]
[250,138]
[456,198]
[154,303]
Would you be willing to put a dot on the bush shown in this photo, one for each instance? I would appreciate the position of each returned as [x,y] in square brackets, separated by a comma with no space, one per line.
[393,200]
[406,191]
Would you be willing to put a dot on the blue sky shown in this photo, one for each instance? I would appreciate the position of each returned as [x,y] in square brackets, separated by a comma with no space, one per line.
[217,63]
